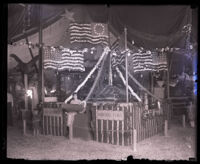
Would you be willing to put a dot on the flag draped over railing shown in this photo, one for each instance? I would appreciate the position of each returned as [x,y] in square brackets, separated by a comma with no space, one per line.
[94,33]
[65,59]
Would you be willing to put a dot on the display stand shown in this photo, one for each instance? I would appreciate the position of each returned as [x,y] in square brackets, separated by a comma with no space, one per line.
[70,110]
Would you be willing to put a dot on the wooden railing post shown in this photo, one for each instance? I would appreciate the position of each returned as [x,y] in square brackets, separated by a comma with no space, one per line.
[166,128]
[134,140]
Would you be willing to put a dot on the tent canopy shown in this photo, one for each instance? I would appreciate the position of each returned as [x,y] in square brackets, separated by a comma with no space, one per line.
[150,20]
[148,26]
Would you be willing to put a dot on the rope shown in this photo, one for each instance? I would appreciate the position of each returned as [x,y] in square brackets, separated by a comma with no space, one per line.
[97,79]
[131,90]
[137,82]
[106,49]
[105,52]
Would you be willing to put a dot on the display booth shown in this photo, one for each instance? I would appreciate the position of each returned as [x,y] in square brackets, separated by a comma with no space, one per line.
[122,76]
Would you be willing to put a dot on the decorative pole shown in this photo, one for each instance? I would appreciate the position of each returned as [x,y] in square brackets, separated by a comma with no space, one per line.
[110,78]
[125,33]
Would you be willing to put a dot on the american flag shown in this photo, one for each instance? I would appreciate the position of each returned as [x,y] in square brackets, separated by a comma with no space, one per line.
[94,33]
[145,61]
[65,59]
[141,61]
[117,58]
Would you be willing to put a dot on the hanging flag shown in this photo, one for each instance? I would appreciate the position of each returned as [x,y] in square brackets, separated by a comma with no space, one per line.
[52,57]
[94,33]
[113,39]
[117,58]
[159,61]
[118,50]
[148,61]
[141,61]
[65,59]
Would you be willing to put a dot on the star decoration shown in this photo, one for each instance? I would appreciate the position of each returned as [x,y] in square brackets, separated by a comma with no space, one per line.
[68,15]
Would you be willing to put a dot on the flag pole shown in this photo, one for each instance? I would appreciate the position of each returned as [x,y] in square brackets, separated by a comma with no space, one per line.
[126,58]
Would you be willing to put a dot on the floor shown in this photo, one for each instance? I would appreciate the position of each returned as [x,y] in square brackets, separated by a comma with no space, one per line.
[178,145]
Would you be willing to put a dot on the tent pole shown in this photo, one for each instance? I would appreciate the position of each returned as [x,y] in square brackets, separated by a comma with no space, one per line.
[168,76]
[41,76]
[125,33]
[152,86]
[168,84]
[26,88]
[26,103]
[31,53]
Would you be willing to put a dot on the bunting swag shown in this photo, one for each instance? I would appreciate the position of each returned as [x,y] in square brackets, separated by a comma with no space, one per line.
[94,33]
[65,59]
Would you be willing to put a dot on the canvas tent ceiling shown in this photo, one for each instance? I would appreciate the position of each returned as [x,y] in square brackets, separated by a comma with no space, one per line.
[148,26]
[156,20]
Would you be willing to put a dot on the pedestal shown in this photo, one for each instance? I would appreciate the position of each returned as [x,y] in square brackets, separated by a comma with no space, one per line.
[24,117]
[70,121]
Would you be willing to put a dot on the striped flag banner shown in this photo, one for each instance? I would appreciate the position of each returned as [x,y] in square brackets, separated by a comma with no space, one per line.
[117,58]
[65,59]
[148,61]
[94,33]
[141,61]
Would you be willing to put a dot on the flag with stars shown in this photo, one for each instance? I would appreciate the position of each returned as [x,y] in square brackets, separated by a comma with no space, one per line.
[51,58]
[65,59]
[94,33]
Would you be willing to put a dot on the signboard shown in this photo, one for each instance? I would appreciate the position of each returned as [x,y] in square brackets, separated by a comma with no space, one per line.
[52,111]
[110,115]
